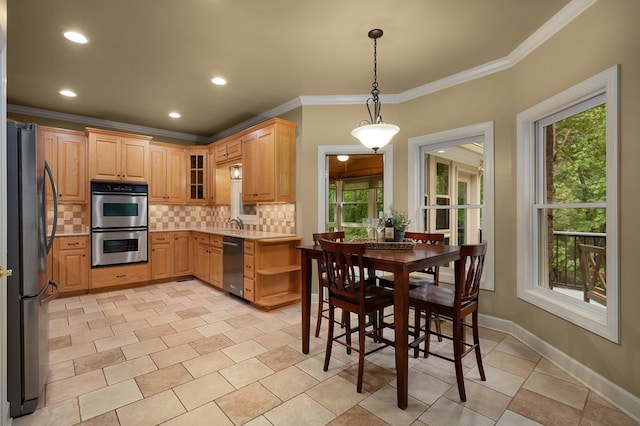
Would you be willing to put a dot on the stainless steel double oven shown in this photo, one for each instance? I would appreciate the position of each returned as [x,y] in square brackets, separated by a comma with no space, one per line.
[119,223]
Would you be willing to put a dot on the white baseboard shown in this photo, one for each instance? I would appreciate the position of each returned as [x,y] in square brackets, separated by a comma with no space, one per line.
[624,400]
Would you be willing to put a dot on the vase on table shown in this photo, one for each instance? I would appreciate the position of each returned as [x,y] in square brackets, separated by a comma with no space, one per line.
[398,236]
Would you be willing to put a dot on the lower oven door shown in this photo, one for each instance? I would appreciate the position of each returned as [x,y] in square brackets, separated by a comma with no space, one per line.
[116,247]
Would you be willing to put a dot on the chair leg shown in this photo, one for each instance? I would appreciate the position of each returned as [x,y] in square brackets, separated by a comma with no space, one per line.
[327,354]
[457,355]
[427,327]
[361,351]
[416,330]
[320,308]
[347,316]
[438,328]
[476,342]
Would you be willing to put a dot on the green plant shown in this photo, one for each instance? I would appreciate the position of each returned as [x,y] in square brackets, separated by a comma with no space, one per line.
[400,220]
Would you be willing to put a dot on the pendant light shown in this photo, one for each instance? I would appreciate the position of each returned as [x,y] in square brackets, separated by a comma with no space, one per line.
[374,133]
[235,172]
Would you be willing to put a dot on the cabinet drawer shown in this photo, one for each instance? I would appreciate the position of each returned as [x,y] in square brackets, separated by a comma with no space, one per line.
[160,237]
[216,240]
[249,290]
[249,247]
[202,238]
[73,242]
[119,275]
[249,266]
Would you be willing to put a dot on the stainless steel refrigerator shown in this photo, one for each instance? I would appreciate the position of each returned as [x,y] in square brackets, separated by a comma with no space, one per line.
[28,289]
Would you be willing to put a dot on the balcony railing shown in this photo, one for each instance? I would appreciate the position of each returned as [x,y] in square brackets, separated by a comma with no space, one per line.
[566,258]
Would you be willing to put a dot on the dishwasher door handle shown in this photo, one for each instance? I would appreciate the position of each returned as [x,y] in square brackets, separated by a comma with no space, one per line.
[227,243]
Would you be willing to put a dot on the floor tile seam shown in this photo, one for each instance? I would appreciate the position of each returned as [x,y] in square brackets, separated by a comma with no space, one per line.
[475,411]
[584,404]
[577,382]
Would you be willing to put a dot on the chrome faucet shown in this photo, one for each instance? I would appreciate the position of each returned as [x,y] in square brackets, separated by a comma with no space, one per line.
[237,221]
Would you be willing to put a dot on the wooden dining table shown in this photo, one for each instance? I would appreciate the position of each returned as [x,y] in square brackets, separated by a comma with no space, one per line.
[399,262]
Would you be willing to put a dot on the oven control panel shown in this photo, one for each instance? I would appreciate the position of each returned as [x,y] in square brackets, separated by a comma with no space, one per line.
[118,187]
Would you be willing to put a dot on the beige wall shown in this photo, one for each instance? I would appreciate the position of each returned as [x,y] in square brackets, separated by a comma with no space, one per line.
[604,35]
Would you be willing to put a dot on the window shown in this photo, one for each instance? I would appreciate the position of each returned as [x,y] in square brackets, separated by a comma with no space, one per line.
[567,196]
[350,192]
[351,200]
[448,174]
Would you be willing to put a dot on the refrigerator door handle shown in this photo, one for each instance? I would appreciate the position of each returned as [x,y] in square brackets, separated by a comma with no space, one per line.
[52,295]
[55,206]
[40,293]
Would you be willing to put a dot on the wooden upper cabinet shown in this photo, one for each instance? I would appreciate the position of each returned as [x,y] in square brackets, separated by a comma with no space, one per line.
[268,158]
[211,176]
[168,179]
[66,153]
[196,176]
[118,156]
[228,150]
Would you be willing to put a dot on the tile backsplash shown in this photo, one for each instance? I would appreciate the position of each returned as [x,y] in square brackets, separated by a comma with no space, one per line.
[75,218]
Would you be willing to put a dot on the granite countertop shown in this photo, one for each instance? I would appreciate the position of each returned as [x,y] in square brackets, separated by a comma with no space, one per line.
[240,233]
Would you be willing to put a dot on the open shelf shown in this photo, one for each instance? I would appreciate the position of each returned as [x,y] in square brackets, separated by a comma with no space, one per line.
[274,301]
[278,270]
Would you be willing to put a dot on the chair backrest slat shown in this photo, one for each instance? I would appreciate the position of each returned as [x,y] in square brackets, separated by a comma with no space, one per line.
[469,273]
[345,266]
[331,236]
[428,238]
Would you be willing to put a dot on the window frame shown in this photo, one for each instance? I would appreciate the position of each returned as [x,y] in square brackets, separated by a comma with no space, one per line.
[414,183]
[603,322]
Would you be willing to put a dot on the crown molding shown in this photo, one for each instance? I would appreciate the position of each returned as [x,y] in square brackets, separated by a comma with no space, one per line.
[557,22]
[567,14]
[98,122]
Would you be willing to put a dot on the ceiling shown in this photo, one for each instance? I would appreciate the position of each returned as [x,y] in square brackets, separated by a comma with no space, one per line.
[147,58]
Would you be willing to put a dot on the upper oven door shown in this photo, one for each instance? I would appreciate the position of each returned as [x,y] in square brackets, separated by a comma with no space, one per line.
[110,210]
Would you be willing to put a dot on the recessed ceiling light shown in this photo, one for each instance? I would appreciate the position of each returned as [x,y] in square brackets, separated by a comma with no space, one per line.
[68,93]
[441,151]
[218,81]
[343,158]
[174,114]
[75,37]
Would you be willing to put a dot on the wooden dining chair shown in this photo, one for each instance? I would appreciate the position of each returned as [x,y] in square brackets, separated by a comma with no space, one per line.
[429,276]
[349,292]
[593,260]
[455,305]
[323,292]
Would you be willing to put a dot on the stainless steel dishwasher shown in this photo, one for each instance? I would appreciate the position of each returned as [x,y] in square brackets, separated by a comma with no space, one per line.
[233,265]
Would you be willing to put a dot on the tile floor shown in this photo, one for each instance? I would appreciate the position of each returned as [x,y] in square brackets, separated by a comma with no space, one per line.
[182,353]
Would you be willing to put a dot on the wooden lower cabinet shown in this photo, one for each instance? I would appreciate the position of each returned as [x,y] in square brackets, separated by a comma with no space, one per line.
[161,256]
[181,254]
[208,262]
[201,262]
[272,272]
[70,263]
[249,270]
[215,261]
